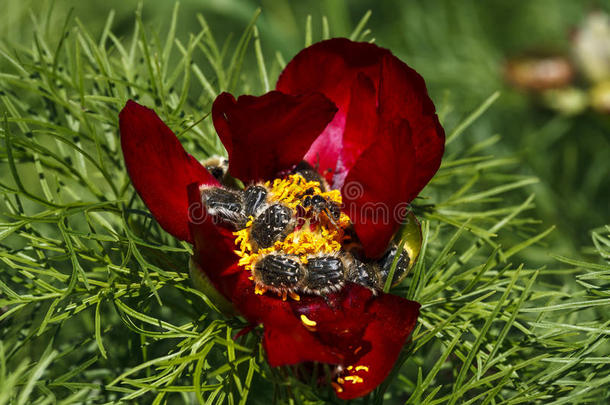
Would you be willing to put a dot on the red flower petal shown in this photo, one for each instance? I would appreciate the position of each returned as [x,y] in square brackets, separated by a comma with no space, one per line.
[409,99]
[376,190]
[369,329]
[392,321]
[371,88]
[359,130]
[269,134]
[331,67]
[159,168]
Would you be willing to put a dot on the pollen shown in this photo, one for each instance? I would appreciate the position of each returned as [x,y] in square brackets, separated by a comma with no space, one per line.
[290,189]
[259,289]
[308,322]
[354,379]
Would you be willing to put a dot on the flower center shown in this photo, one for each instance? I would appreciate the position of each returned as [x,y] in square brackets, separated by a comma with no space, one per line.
[293,241]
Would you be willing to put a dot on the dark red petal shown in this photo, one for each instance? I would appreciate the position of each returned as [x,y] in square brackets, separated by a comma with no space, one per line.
[159,168]
[360,126]
[370,330]
[378,187]
[392,321]
[287,341]
[341,318]
[326,149]
[402,93]
[269,134]
[336,68]
[331,67]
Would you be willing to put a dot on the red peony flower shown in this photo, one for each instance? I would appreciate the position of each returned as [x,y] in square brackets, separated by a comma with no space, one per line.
[363,120]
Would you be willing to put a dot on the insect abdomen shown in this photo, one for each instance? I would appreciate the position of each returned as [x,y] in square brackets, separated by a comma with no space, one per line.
[324,273]
[279,271]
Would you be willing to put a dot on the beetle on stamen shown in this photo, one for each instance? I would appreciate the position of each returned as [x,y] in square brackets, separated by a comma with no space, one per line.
[324,274]
[278,272]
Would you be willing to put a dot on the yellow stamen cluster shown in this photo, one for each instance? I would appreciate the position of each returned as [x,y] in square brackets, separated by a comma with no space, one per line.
[358,368]
[288,190]
[309,324]
[354,379]
[323,236]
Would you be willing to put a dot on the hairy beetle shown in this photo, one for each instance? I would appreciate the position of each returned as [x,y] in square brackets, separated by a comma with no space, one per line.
[324,274]
[279,272]
[272,224]
[224,205]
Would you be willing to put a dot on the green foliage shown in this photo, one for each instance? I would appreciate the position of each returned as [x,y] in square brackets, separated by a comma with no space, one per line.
[96,304]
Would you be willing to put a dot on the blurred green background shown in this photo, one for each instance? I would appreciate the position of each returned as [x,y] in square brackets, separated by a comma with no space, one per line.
[459,47]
